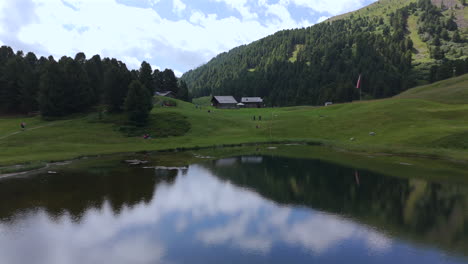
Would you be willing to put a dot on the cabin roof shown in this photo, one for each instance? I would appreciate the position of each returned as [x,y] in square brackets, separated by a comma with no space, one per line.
[165,93]
[225,99]
[252,100]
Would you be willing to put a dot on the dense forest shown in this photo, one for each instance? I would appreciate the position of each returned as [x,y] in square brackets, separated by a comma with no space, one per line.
[322,63]
[76,85]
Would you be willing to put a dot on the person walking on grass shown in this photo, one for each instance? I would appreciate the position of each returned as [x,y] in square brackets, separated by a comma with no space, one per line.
[23,126]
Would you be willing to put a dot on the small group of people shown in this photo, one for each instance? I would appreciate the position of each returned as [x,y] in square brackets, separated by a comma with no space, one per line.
[259,118]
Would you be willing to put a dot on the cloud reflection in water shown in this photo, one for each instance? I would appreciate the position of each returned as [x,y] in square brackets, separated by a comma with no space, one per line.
[198,210]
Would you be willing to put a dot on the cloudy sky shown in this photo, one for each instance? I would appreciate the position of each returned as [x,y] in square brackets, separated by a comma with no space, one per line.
[176,34]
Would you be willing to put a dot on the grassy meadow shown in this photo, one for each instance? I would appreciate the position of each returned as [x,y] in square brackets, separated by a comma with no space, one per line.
[429,121]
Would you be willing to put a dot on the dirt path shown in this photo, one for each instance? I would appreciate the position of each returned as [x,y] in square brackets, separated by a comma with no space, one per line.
[33,128]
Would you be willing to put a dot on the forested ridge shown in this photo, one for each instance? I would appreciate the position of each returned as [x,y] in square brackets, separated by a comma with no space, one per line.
[76,85]
[322,63]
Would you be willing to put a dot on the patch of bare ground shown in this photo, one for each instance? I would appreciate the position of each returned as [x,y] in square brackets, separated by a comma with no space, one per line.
[458,9]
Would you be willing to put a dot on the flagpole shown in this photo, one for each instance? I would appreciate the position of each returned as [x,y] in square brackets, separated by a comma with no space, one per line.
[358,86]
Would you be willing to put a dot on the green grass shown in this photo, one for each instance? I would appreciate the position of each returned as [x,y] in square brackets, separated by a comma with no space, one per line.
[451,91]
[296,51]
[203,101]
[416,123]
[422,52]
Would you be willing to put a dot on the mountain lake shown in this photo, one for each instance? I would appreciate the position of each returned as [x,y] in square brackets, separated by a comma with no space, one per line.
[257,207]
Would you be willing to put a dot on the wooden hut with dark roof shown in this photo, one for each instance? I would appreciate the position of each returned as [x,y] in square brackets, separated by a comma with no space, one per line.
[166,94]
[224,102]
[252,102]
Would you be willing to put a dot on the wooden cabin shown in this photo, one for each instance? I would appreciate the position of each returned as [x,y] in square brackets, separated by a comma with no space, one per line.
[224,102]
[252,102]
[166,94]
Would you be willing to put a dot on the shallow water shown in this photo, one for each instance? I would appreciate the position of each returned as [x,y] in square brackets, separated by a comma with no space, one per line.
[250,209]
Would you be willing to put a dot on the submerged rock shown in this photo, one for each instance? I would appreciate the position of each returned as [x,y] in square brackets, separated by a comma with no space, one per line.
[136,162]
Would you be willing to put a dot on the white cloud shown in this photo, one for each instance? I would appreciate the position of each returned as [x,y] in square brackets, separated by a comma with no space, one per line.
[178,6]
[322,18]
[178,73]
[242,7]
[335,7]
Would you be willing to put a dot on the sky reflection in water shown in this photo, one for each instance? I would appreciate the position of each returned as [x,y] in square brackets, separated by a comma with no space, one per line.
[202,219]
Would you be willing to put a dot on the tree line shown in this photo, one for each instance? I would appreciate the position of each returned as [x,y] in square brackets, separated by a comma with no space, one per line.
[76,85]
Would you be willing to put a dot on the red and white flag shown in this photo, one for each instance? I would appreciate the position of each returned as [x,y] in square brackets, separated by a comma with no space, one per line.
[358,85]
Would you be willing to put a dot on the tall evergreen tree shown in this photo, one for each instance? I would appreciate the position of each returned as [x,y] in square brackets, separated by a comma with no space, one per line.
[94,69]
[146,77]
[51,92]
[80,58]
[138,103]
[30,84]
[183,93]
[115,85]
[76,85]
[169,81]
[13,77]
[158,80]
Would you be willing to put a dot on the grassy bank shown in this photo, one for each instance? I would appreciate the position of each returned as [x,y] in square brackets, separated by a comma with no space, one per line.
[414,123]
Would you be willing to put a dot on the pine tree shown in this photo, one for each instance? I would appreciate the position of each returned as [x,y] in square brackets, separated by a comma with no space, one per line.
[183,93]
[450,24]
[158,80]
[115,85]
[12,84]
[169,81]
[76,85]
[94,69]
[145,77]
[138,104]
[456,37]
[29,88]
[51,93]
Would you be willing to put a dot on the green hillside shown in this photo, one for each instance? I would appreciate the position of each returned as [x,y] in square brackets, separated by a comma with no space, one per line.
[402,125]
[394,44]
[451,91]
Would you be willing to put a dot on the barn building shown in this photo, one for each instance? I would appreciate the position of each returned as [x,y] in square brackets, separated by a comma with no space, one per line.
[224,102]
[252,102]
[166,94]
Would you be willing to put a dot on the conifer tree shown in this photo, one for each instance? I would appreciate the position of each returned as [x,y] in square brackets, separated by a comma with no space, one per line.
[115,85]
[138,104]
[169,81]
[146,78]
[51,92]
[183,93]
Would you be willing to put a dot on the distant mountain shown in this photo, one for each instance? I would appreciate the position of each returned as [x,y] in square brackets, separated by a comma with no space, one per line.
[393,44]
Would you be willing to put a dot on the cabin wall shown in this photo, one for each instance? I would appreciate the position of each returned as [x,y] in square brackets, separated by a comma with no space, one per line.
[226,106]
[253,105]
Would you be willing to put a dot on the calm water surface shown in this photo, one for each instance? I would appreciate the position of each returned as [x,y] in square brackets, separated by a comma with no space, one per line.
[252,209]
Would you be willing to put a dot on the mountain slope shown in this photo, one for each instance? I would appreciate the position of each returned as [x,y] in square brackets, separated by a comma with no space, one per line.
[451,91]
[394,44]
